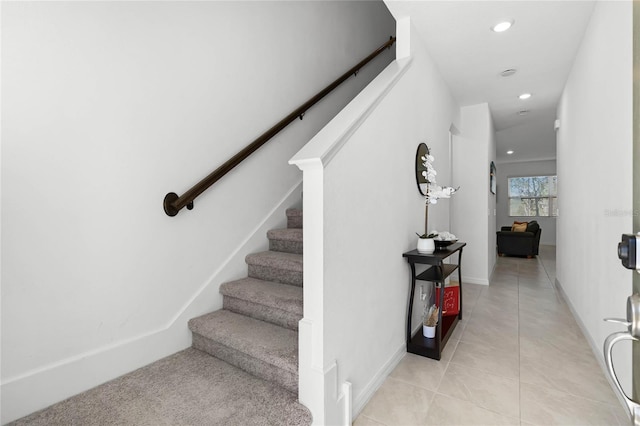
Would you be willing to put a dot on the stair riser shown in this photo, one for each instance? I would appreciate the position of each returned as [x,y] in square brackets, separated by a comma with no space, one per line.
[283,276]
[294,222]
[262,312]
[294,219]
[258,368]
[284,246]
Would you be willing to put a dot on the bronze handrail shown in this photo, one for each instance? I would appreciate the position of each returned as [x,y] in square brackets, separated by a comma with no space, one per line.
[174,203]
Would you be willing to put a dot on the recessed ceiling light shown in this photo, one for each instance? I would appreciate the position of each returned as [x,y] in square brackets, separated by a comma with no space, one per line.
[509,152]
[523,112]
[525,96]
[502,26]
[509,72]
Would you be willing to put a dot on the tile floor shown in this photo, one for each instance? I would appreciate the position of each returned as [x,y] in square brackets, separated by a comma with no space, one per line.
[525,363]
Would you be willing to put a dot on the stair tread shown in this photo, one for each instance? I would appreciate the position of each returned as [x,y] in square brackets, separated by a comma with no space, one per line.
[267,342]
[285,234]
[276,259]
[282,296]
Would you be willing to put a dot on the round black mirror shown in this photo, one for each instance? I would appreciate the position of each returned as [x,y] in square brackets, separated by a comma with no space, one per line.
[421,180]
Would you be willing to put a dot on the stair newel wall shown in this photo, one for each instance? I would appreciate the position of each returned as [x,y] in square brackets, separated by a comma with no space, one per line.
[361,213]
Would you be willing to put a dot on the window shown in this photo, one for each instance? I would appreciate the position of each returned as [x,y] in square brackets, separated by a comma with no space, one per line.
[533,196]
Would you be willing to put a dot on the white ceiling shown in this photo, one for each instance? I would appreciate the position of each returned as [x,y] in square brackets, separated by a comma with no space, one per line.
[541,46]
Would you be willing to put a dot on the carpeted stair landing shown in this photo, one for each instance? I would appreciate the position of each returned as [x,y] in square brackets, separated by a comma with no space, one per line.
[187,388]
[241,370]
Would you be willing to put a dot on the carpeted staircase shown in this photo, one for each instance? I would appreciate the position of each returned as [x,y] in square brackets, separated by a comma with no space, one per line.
[256,330]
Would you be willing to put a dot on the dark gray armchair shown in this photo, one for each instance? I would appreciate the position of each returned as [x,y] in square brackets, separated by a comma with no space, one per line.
[519,243]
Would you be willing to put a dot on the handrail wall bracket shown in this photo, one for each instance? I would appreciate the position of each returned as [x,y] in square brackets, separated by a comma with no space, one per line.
[169,207]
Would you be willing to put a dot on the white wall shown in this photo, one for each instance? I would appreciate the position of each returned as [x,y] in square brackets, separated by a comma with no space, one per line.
[370,211]
[473,219]
[595,177]
[107,106]
[524,168]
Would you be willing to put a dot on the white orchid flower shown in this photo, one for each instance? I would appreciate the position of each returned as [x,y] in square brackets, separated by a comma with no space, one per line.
[433,191]
[449,191]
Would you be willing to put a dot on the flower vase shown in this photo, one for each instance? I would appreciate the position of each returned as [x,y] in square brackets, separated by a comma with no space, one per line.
[426,245]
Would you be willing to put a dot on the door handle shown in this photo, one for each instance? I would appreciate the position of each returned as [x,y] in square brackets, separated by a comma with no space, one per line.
[618,321]
[633,316]
[610,341]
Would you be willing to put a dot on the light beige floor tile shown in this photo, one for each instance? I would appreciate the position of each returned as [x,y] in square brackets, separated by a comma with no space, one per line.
[363,420]
[460,327]
[532,275]
[500,335]
[555,330]
[449,350]
[528,294]
[500,279]
[450,411]
[510,289]
[486,358]
[468,307]
[560,337]
[559,366]
[622,415]
[545,313]
[528,270]
[546,406]
[534,279]
[496,297]
[495,312]
[489,391]
[467,311]
[472,290]
[399,403]
[541,284]
[504,284]
[470,301]
[420,371]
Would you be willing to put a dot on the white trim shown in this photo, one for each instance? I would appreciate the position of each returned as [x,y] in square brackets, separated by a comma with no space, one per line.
[347,395]
[474,280]
[597,350]
[403,37]
[330,140]
[378,379]
[525,160]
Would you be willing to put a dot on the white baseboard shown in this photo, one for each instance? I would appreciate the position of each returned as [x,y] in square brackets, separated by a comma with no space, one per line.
[474,280]
[44,386]
[378,379]
[595,348]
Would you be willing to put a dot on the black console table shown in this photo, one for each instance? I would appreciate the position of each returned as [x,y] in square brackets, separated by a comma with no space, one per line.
[436,273]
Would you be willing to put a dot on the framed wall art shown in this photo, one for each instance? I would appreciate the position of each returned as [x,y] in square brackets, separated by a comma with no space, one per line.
[492,178]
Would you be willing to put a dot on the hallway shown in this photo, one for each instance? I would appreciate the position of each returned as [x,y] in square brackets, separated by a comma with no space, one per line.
[517,357]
